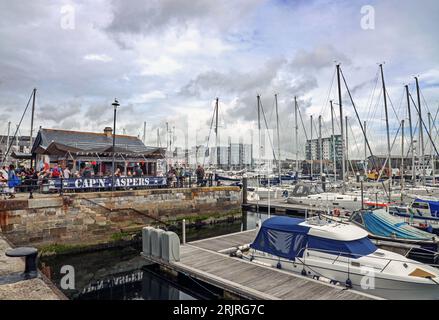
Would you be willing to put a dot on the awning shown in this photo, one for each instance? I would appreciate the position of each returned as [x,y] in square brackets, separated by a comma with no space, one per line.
[21,155]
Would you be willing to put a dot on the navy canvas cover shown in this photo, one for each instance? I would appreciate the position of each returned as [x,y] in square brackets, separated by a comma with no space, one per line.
[285,237]
[353,249]
[282,236]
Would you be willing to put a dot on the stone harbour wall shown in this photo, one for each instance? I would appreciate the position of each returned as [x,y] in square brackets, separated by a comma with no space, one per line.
[89,217]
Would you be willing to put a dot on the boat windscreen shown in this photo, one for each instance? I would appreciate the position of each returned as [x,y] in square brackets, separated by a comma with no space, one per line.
[353,249]
[280,243]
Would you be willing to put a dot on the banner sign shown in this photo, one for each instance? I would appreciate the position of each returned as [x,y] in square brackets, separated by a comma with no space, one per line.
[96,183]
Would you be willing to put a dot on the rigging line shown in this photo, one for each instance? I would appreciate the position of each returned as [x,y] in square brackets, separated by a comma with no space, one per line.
[358,117]
[423,124]
[208,138]
[355,139]
[361,126]
[373,93]
[22,116]
[373,117]
[428,109]
[329,93]
[268,131]
[301,120]
[391,147]
[391,104]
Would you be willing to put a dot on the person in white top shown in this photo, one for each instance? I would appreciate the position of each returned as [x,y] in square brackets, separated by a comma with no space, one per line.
[66,173]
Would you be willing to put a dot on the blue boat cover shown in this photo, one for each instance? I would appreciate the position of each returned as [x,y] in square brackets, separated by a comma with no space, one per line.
[281,236]
[353,249]
[434,206]
[285,237]
[381,223]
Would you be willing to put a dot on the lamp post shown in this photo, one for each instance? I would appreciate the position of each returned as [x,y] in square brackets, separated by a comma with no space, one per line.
[115,104]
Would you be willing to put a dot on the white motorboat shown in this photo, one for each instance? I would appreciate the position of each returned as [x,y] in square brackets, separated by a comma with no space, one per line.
[313,195]
[341,254]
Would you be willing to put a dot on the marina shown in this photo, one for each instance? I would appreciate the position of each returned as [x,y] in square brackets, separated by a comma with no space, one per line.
[223,157]
[206,260]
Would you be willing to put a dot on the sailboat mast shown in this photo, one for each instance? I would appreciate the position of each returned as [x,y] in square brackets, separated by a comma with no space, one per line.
[297,134]
[32,118]
[278,140]
[310,149]
[411,135]
[320,147]
[347,146]
[365,142]
[401,172]
[216,136]
[259,131]
[343,164]
[144,132]
[333,142]
[421,131]
[387,127]
[433,165]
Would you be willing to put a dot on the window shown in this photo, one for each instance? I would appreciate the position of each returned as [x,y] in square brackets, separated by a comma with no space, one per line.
[420,205]
[358,218]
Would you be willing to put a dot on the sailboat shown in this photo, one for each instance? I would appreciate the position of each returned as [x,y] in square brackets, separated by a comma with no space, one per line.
[341,254]
[313,195]
[382,226]
[422,212]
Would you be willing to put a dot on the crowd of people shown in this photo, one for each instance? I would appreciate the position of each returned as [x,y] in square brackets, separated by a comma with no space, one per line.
[24,179]
[181,176]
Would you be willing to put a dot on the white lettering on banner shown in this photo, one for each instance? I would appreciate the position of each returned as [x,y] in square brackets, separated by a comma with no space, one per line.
[78,183]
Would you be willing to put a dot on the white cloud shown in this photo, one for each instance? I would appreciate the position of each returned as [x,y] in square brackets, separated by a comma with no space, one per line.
[161,66]
[98,57]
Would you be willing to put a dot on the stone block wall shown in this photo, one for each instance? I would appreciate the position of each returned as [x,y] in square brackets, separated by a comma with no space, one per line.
[88,217]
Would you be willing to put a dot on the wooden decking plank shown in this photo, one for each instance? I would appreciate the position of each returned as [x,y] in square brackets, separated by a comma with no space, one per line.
[202,260]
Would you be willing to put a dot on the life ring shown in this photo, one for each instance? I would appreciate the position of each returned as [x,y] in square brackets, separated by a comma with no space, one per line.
[336,212]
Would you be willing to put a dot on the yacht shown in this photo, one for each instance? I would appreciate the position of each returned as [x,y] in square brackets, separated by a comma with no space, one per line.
[422,212]
[313,195]
[341,254]
[396,233]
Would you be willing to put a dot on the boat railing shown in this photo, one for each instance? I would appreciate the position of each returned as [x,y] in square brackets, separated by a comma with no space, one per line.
[349,254]
[389,260]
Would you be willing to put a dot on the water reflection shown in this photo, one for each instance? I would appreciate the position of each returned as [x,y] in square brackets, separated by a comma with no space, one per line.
[123,274]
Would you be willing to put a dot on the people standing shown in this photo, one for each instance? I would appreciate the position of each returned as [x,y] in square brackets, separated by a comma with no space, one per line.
[67,173]
[200,175]
[13,181]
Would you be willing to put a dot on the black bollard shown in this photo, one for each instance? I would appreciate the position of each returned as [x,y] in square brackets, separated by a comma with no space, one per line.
[30,254]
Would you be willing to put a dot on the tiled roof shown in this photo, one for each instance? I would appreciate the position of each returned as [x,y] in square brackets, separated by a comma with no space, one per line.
[86,141]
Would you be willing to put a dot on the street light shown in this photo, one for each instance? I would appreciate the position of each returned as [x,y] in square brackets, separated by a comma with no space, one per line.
[115,104]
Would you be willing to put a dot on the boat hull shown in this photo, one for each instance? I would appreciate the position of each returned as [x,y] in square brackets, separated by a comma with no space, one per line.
[370,283]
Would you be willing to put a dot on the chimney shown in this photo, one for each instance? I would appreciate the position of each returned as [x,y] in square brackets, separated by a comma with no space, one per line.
[108,132]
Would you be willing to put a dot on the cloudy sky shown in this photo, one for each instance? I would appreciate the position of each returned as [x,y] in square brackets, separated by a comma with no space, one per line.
[167,61]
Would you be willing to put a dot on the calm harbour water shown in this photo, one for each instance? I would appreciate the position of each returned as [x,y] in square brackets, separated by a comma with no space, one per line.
[122,274]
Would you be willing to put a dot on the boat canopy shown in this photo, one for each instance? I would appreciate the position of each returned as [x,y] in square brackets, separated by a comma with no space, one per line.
[433,204]
[381,223]
[288,237]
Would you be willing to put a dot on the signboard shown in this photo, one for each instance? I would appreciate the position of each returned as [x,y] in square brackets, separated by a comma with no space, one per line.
[103,183]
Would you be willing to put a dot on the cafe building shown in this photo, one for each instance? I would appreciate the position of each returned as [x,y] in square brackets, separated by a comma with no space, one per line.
[77,149]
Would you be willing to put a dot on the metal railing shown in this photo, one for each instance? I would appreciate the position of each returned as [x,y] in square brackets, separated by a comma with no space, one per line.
[348,259]
[62,185]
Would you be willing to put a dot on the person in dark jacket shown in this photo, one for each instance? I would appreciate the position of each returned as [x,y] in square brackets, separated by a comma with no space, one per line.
[200,175]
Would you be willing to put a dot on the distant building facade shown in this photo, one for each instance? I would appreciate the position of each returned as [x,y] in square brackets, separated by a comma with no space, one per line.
[312,150]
